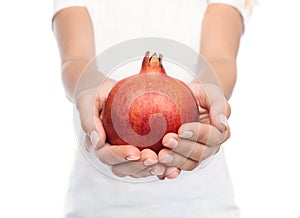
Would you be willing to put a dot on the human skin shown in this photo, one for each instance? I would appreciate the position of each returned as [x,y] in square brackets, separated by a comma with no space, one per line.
[220,36]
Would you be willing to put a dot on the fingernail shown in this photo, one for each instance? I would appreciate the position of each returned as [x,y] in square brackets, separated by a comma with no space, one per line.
[152,172]
[149,162]
[167,158]
[223,120]
[156,172]
[172,143]
[186,134]
[94,138]
[132,157]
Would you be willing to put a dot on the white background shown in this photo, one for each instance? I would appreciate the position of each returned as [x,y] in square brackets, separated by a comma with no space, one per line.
[38,143]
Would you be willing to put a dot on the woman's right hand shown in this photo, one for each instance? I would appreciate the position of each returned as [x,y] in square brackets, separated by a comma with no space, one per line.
[125,160]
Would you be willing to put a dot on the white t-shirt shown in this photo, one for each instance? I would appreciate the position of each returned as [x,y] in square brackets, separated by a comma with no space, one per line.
[116,20]
[203,193]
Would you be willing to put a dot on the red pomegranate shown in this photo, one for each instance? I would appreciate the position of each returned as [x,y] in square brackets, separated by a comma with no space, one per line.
[141,109]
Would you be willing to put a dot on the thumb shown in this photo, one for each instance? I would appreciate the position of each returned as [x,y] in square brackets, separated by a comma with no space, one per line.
[217,105]
[89,107]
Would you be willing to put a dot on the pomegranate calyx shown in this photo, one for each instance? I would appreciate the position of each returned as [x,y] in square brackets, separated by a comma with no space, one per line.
[152,64]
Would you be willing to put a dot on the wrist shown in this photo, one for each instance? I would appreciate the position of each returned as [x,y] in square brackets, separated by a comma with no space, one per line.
[226,72]
[81,75]
[71,70]
[221,73]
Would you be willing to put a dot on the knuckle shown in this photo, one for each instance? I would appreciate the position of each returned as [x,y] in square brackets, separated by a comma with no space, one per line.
[228,135]
[203,154]
[228,109]
[198,156]
[224,137]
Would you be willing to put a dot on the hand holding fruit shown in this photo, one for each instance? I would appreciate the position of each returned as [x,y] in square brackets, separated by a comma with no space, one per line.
[196,141]
[123,159]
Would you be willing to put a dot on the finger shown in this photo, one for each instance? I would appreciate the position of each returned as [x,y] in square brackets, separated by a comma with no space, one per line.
[148,157]
[98,136]
[88,144]
[204,117]
[193,150]
[88,107]
[116,154]
[157,169]
[127,169]
[203,133]
[172,159]
[172,172]
[219,114]
[150,167]
[212,98]
[226,135]
[189,147]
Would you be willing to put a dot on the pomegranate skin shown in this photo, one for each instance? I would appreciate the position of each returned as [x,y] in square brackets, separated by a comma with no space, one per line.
[142,108]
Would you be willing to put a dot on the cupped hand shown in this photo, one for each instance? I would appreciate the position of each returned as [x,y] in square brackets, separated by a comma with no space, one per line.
[128,160]
[194,142]
[125,160]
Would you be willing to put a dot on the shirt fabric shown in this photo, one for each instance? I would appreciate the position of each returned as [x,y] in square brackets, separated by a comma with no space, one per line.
[205,192]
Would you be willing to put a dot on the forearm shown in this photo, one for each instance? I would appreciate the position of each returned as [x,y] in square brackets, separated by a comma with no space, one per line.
[71,72]
[226,73]
[222,28]
[74,33]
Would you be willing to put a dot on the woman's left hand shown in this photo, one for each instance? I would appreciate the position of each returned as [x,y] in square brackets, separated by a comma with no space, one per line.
[197,141]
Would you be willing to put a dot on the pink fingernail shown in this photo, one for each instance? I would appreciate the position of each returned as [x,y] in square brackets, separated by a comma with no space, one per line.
[186,134]
[152,172]
[149,162]
[156,172]
[223,120]
[132,157]
[94,138]
[172,143]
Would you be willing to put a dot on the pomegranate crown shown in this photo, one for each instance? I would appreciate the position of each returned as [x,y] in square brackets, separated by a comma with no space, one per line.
[152,64]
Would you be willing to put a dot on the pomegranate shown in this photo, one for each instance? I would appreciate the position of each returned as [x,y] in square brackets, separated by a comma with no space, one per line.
[142,108]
